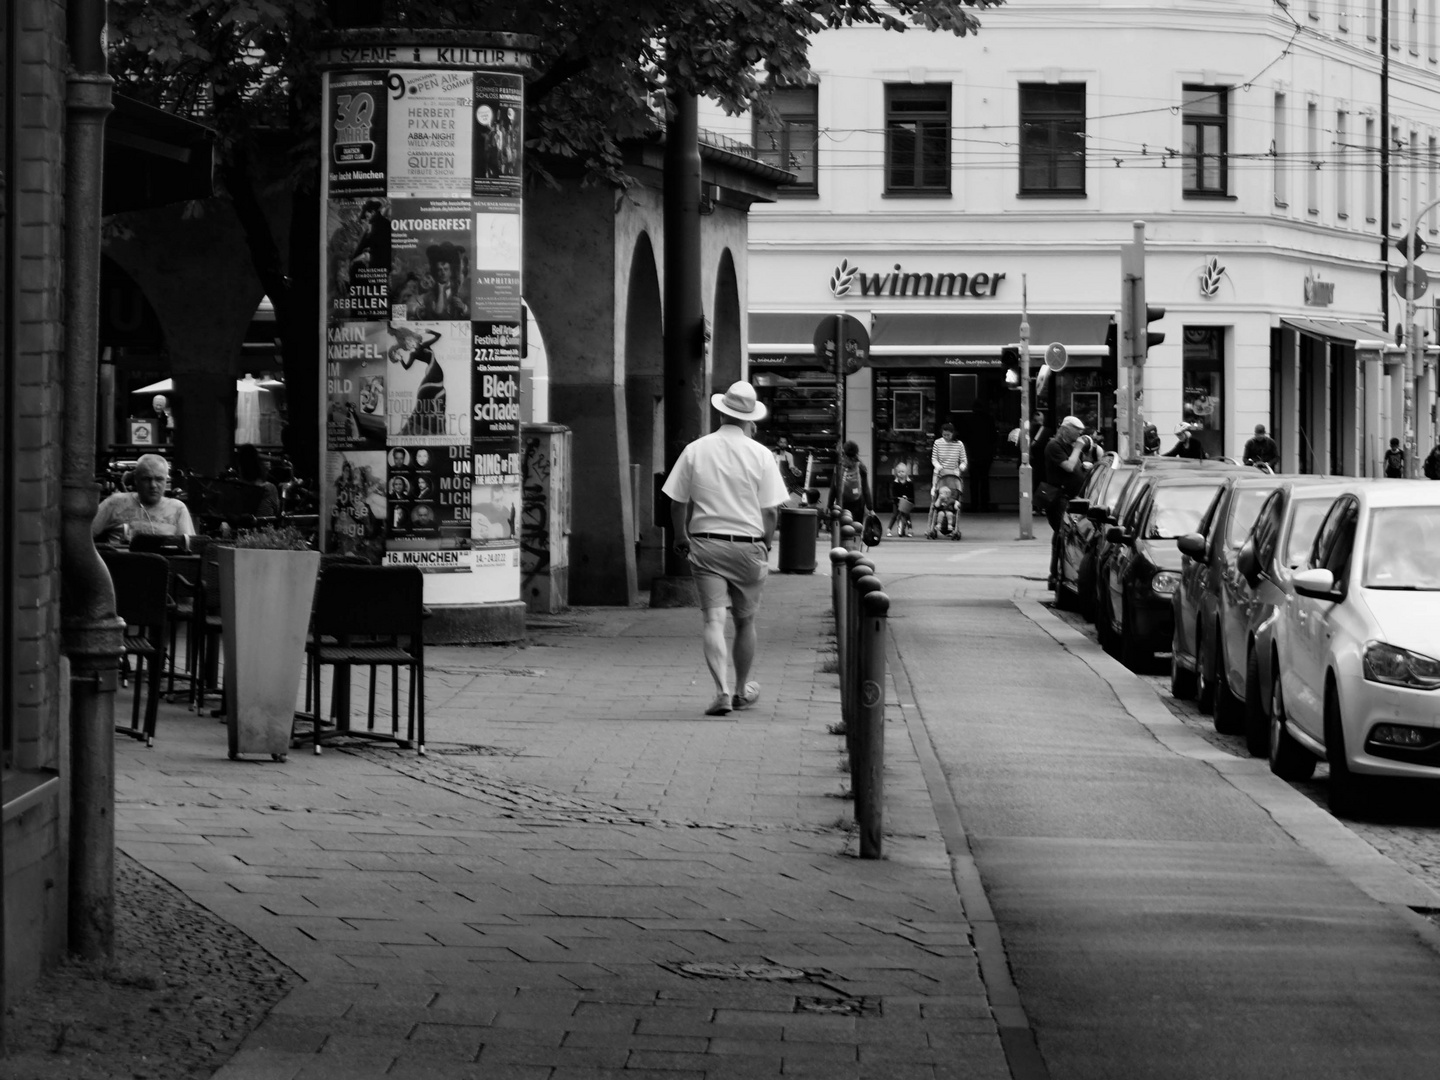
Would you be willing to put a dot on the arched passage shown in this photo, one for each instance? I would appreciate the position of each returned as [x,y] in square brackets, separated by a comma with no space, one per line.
[725,344]
[644,404]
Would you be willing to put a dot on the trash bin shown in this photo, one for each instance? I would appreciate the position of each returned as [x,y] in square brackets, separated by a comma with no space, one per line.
[798,530]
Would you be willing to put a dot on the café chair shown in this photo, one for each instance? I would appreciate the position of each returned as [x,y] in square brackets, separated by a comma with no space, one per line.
[368,616]
[141,581]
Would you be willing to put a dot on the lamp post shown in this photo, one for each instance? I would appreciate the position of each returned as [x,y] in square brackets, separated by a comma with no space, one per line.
[1027,531]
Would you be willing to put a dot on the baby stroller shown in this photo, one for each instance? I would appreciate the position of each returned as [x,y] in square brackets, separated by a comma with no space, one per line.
[938,528]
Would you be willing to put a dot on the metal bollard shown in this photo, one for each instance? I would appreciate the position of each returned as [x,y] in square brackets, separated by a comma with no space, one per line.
[839,595]
[867,753]
[849,538]
[859,567]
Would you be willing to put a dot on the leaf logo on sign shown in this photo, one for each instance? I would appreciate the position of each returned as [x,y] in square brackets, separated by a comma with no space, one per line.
[843,278]
[1210,277]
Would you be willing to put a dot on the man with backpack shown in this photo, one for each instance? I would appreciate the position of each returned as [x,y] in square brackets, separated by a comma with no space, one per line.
[1432,463]
[1394,461]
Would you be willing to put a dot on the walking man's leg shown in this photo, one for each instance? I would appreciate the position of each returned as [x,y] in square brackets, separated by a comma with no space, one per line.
[744,650]
[717,657]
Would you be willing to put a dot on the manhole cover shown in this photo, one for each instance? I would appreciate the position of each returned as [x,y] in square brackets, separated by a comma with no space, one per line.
[847,1006]
[700,969]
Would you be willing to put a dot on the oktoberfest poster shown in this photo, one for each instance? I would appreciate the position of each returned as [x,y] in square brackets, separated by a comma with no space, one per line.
[497,259]
[357,242]
[427,386]
[430,259]
[355,402]
[498,133]
[430,133]
[355,134]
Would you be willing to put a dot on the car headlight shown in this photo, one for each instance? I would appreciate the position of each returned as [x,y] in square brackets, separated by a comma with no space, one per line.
[1390,664]
[1164,582]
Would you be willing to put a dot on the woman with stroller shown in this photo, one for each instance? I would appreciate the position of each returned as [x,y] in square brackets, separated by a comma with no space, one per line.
[948,464]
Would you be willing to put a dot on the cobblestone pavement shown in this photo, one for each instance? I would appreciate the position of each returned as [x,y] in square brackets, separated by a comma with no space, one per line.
[1404,827]
[183,990]
[584,875]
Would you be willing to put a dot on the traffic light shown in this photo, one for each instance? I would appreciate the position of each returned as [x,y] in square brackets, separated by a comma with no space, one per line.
[1110,365]
[1151,338]
[1010,360]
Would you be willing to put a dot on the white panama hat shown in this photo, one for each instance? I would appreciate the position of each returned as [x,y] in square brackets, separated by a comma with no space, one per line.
[740,402]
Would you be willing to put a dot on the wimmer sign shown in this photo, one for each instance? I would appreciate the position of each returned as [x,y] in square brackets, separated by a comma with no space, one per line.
[847,280]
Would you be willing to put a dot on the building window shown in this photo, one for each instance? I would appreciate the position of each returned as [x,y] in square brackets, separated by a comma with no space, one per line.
[1370,19]
[1281,148]
[1394,11]
[1206,140]
[917,139]
[1204,385]
[1371,167]
[1393,210]
[787,139]
[1342,170]
[1052,139]
[1312,153]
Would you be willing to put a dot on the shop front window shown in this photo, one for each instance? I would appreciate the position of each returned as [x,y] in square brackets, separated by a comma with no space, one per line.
[904,427]
[1204,386]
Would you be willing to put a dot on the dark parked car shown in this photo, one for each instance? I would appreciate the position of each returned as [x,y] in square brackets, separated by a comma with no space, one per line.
[1207,573]
[1080,533]
[1135,618]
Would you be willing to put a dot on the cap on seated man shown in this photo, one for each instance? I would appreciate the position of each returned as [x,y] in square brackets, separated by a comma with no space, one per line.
[147,509]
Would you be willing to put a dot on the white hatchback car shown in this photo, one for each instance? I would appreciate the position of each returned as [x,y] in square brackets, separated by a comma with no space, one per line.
[1358,642]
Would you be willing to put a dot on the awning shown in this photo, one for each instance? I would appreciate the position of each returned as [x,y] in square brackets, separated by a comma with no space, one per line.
[153,157]
[896,335]
[1347,333]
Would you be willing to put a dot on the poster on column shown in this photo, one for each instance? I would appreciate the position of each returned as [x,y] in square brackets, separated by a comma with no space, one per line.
[355,133]
[427,385]
[497,259]
[495,381]
[495,500]
[430,259]
[428,508]
[498,133]
[430,132]
[357,242]
[355,385]
[355,501]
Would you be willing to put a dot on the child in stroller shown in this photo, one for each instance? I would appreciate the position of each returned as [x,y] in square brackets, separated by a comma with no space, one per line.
[945,509]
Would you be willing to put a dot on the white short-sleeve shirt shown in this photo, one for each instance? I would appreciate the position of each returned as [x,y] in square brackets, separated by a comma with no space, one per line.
[731,479]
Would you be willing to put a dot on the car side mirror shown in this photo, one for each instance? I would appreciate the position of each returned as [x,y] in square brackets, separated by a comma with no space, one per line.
[1317,584]
[1248,563]
[1117,535]
[1098,514]
[1078,506]
[1192,544]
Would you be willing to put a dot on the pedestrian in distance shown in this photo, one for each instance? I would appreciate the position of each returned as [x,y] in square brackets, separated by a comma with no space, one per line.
[902,490]
[1260,449]
[1431,468]
[725,495]
[1066,466]
[1395,460]
[851,490]
[1186,446]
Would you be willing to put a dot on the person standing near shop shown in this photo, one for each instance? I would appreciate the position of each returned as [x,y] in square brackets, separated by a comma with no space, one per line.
[725,495]
[947,459]
[1066,466]
[1394,461]
[1260,449]
[851,490]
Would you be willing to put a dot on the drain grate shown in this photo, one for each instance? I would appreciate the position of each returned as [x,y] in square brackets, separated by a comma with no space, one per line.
[702,969]
[845,1006]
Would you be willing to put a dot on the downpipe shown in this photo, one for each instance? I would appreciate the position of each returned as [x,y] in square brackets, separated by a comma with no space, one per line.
[91,631]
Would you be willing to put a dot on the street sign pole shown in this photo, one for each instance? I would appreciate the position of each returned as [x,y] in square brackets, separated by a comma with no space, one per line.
[1132,335]
[1027,521]
[840,388]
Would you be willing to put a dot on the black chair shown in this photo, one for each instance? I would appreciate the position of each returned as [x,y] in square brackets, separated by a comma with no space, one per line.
[207,630]
[368,616]
[141,581]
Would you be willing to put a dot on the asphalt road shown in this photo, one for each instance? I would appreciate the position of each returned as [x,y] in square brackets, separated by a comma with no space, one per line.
[1167,907]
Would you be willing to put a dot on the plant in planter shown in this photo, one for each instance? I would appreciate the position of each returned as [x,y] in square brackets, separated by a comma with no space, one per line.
[267,585]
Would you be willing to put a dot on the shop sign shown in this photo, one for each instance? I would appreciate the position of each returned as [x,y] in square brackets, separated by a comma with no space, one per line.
[1318,293]
[900,282]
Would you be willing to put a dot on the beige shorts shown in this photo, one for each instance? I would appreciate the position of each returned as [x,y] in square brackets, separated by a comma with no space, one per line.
[725,570]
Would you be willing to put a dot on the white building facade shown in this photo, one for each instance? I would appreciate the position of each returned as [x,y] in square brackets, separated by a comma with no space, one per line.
[946,184]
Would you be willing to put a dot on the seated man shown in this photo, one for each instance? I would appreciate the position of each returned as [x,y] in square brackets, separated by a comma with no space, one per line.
[144,510]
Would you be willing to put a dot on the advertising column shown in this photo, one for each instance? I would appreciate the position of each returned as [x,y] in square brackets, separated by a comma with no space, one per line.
[421,261]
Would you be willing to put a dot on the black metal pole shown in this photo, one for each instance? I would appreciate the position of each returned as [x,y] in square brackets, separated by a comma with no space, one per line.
[684,311]
[1384,214]
[867,762]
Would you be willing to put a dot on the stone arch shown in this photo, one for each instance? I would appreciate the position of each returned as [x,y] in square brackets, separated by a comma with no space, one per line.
[726,344]
[644,369]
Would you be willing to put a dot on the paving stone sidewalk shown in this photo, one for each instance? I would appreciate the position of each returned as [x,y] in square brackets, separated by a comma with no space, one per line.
[584,877]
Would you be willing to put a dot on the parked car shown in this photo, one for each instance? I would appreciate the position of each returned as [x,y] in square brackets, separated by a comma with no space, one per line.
[1135,617]
[1080,533]
[1207,572]
[1358,645]
[1279,543]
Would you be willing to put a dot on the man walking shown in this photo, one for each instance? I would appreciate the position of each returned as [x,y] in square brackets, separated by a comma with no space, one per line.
[725,492]
[1065,470]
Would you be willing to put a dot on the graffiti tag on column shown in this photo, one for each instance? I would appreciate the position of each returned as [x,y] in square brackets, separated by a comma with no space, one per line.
[534,514]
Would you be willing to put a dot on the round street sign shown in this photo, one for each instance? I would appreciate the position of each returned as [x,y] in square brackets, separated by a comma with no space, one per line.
[1056,356]
[857,342]
[1422,282]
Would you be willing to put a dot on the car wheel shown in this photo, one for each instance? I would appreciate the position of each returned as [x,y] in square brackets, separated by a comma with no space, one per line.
[1288,759]
[1257,724]
[1182,679]
[1135,654]
[1344,794]
[1204,674]
[1229,710]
